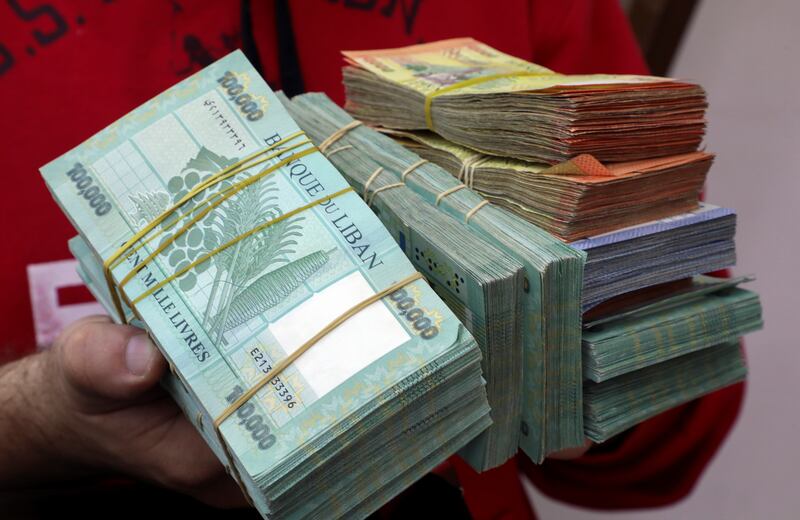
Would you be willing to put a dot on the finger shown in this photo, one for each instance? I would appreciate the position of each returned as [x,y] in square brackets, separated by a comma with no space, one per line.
[102,361]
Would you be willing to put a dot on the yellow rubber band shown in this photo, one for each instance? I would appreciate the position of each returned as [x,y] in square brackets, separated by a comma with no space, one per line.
[234,241]
[223,174]
[467,83]
[239,166]
[223,196]
[281,365]
[169,225]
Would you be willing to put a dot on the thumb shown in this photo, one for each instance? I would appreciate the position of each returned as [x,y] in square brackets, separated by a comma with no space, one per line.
[103,363]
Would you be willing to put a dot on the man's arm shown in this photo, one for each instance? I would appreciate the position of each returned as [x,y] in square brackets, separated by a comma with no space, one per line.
[25,455]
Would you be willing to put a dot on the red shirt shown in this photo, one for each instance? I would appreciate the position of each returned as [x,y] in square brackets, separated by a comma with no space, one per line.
[68,69]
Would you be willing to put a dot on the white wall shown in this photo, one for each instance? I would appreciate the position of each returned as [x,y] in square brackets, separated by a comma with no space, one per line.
[746,53]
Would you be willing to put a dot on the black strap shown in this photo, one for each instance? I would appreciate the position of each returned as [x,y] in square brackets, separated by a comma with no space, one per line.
[248,41]
[288,63]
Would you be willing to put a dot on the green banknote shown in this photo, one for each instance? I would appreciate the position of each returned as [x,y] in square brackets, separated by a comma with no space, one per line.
[709,312]
[552,412]
[613,406]
[367,409]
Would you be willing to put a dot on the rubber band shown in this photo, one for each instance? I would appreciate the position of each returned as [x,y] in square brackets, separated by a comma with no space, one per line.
[450,191]
[370,198]
[467,83]
[466,173]
[223,174]
[340,149]
[474,210]
[463,167]
[169,225]
[281,365]
[382,188]
[115,258]
[180,272]
[338,134]
[371,178]
[223,196]
[412,168]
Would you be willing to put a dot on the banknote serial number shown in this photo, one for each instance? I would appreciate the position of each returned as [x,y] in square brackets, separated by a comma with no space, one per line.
[264,366]
[252,421]
[247,105]
[89,190]
[413,314]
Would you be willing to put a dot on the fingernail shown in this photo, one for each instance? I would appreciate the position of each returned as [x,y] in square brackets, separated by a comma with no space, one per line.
[139,354]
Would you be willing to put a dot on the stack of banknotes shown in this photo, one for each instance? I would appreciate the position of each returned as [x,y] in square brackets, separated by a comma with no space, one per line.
[622,402]
[664,250]
[477,96]
[551,415]
[640,223]
[322,370]
[510,259]
[482,283]
[645,352]
[575,199]
[707,311]
[557,151]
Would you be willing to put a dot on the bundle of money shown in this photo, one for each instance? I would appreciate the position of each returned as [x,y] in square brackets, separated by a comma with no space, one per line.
[321,369]
[653,253]
[577,198]
[708,311]
[628,257]
[606,164]
[673,247]
[551,416]
[480,283]
[476,96]
[622,402]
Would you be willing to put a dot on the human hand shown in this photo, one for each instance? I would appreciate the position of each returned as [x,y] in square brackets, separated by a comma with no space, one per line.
[92,405]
